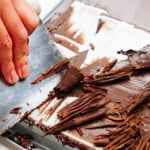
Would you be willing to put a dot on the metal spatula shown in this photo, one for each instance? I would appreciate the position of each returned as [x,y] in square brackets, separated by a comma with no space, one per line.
[26,96]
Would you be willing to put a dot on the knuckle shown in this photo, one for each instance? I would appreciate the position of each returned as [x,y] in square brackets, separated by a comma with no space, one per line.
[22,35]
[6,44]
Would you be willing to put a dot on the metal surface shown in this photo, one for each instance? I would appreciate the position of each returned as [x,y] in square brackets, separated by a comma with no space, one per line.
[43,53]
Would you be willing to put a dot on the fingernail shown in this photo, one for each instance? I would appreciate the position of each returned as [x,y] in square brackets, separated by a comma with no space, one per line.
[14,77]
[25,71]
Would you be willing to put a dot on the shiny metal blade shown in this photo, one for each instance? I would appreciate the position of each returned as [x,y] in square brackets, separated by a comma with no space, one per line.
[78,60]
[43,54]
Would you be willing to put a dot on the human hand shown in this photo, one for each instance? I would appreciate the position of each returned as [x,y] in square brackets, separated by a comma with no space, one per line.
[17,21]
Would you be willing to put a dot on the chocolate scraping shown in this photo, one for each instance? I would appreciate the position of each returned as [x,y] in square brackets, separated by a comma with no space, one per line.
[87,103]
[138,99]
[138,59]
[70,79]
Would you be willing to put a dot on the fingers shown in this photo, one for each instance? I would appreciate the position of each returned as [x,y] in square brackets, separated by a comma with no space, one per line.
[6,62]
[19,35]
[26,14]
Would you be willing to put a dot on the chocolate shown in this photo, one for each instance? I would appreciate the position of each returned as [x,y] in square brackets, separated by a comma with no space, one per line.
[61,65]
[124,136]
[109,66]
[64,125]
[86,103]
[15,110]
[99,25]
[69,81]
[23,140]
[138,59]
[138,99]
[117,75]
[105,115]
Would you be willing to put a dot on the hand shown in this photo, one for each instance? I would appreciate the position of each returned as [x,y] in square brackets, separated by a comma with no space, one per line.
[17,21]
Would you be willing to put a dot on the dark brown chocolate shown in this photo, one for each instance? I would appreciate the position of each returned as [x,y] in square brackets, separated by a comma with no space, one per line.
[124,136]
[61,126]
[61,65]
[99,25]
[87,103]
[113,76]
[69,81]
[15,110]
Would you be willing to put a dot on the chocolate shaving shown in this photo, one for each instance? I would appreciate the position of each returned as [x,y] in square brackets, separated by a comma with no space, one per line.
[64,125]
[101,142]
[86,103]
[99,25]
[109,66]
[59,66]
[52,109]
[69,81]
[138,59]
[138,99]
[111,125]
[125,136]
[113,76]
[15,110]
[93,88]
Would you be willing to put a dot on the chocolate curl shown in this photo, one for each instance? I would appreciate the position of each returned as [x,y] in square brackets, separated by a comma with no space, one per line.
[138,99]
[113,76]
[109,66]
[143,144]
[61,65]
[138,59]
[88,102]
[101,142]
[70,79]
[93,88]
[61,126]
[123,136]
